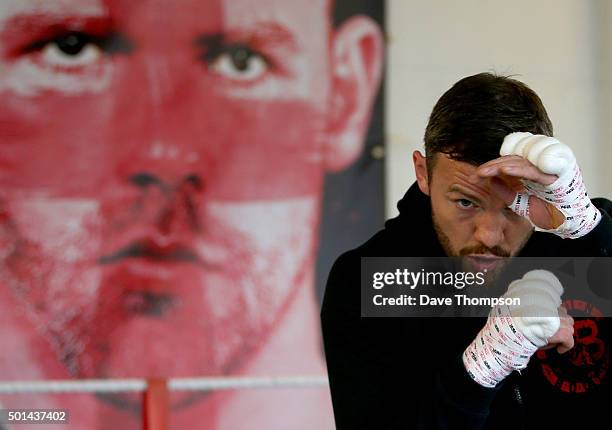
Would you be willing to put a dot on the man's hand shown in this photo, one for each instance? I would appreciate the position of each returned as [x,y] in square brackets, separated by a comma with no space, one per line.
[538,178]
[513,334]
[506,174]
[563,339]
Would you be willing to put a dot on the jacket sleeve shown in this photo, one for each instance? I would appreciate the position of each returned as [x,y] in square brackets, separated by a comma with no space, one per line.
[380,373]
[598,242]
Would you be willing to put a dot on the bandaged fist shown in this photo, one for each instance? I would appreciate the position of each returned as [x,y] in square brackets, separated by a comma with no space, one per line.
[513,334]
[552,195]
[539,293]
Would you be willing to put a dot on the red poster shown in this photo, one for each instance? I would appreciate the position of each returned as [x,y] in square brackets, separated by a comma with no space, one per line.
[162,171]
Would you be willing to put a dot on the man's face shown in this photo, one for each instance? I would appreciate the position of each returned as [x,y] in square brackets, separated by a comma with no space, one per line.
[160,174]
[469,219]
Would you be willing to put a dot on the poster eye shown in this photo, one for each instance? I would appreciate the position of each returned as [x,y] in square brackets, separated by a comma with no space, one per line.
[239,63]
[72,49]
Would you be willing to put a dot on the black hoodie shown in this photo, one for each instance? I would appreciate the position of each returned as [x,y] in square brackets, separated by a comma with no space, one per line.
[407,373]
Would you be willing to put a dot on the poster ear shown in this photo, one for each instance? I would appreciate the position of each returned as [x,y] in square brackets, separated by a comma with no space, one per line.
[356,67]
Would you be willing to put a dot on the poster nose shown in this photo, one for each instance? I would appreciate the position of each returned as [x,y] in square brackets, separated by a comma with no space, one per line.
[170,203]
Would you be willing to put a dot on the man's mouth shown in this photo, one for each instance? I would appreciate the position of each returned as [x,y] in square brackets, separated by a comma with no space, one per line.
[484,262]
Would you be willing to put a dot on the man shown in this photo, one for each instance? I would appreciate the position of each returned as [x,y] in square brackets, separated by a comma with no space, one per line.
[161,169]
[468,202]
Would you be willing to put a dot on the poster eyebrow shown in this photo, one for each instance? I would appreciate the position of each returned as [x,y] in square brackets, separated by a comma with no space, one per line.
[264,33]
[25,29]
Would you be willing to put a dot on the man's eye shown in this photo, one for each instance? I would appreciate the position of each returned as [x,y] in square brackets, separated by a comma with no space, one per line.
[73,49]
[465,204]
[239,63]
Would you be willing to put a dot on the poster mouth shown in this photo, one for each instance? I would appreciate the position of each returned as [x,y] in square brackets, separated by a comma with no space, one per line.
[150,250]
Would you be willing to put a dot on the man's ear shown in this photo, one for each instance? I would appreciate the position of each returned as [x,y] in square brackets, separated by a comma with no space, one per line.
[420,169]
[356,68]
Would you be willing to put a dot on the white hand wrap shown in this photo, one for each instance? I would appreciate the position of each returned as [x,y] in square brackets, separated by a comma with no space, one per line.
[568,193]
[513,334]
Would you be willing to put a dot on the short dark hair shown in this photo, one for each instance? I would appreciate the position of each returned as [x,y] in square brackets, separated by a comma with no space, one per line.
[341,10]
[471,119]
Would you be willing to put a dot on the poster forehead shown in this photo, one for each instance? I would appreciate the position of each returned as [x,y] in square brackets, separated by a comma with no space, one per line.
[11,8]
[302,16]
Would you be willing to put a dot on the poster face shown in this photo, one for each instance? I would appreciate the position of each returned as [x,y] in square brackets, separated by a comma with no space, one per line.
[162,167]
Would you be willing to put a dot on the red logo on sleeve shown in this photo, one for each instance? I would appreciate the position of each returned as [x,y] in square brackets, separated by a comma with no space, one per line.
[585,366]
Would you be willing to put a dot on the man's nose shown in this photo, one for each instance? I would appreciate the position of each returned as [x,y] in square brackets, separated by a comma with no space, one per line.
[171,204]
[489,229]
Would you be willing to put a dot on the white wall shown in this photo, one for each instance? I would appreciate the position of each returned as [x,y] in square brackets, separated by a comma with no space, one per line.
[560,48]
